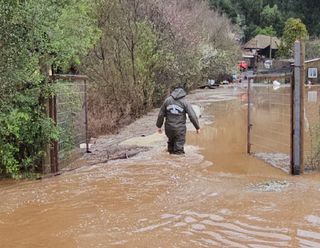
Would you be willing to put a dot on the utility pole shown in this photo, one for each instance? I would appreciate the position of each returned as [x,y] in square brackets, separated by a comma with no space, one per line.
[297,161]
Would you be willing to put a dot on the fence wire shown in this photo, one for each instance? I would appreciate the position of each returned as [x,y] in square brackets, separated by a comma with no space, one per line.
[312,127]
[270,120]
[71,119]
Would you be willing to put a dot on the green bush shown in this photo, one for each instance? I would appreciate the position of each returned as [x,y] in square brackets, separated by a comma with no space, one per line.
[36,36]
[25,130]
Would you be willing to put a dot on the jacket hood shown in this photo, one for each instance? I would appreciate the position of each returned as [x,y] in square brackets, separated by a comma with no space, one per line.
[178,93]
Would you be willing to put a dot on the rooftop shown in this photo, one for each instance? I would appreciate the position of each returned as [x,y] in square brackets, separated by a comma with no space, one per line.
[262,42]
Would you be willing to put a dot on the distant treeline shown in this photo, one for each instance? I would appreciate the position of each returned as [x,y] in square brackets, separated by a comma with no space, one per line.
[269,16]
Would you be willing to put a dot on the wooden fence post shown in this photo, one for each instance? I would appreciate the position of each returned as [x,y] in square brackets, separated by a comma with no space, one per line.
[86,115]
[54,159]
[298,109]
[249,125]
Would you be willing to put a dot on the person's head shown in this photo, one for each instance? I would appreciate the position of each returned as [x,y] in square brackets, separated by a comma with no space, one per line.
[178,92]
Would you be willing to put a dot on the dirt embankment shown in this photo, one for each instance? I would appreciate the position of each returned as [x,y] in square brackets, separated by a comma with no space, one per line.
[109,147]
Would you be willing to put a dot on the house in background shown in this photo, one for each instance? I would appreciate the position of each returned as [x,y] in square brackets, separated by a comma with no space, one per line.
[312,68]
[263,47]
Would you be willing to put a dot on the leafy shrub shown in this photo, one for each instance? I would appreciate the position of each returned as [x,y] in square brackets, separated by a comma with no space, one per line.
[25,130]
[36,36]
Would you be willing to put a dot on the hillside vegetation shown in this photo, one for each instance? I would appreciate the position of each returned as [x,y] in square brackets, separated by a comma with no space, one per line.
[269,16]
[132,50]
[146,47]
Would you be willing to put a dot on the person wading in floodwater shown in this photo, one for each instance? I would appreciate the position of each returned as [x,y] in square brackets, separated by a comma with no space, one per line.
[174,110]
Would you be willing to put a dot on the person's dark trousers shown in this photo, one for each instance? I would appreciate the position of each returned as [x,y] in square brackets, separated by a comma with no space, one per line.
[176,140]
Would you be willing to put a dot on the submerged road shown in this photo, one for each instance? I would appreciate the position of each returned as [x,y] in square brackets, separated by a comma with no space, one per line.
[214,196]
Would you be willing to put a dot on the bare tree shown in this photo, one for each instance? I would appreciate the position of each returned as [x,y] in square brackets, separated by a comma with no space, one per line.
[145,48]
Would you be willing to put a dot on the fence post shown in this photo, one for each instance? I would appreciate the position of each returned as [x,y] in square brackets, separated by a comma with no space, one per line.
[86,115]
[54,159]
[249,118]
[298,108]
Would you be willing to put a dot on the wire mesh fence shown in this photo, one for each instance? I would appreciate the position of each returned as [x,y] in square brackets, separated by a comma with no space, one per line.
[270,118]
[312,127]
[71,119]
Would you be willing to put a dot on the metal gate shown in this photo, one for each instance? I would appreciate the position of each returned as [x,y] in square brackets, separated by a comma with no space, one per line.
[270,118]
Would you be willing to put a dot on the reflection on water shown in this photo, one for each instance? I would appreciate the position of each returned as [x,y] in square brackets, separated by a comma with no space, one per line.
[203,199]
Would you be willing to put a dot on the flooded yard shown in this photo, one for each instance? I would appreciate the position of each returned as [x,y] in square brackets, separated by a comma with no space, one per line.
[214,196]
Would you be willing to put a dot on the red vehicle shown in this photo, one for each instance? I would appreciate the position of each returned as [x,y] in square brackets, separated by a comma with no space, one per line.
[243,65]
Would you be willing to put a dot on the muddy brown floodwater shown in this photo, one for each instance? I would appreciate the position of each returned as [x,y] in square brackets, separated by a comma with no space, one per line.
[214,196]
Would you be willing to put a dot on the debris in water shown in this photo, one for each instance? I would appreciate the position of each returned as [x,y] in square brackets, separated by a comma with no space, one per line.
[270,186]
[278,160]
